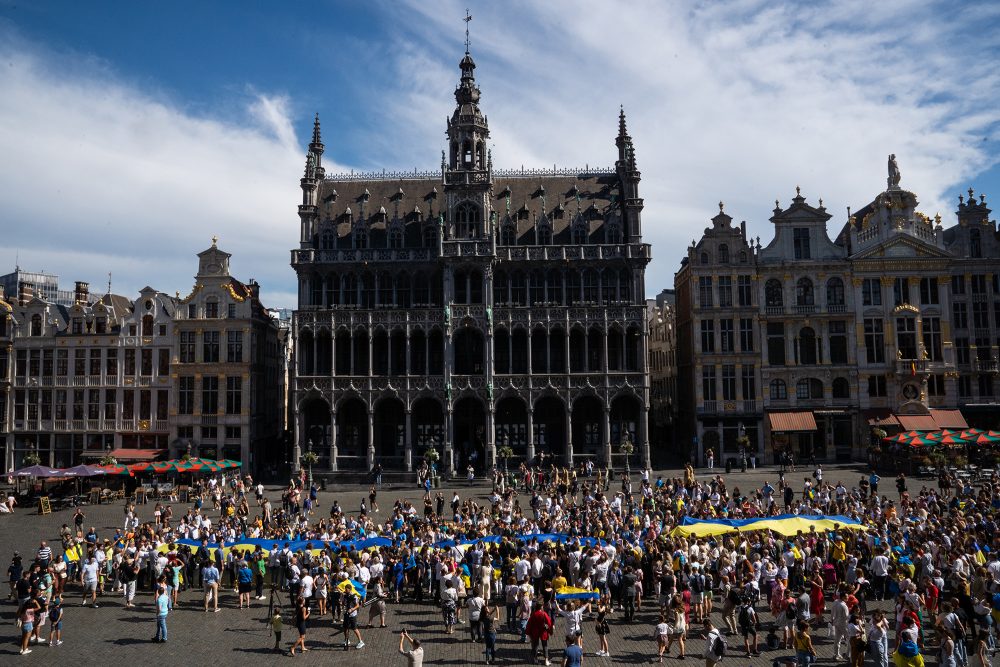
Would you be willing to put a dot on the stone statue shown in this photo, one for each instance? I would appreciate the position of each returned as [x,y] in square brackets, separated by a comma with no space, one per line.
[893,179]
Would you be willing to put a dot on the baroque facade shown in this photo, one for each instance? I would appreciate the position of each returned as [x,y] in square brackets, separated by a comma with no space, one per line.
[895,322]
[88,379]
[228,370]
[470,309]
[116,375]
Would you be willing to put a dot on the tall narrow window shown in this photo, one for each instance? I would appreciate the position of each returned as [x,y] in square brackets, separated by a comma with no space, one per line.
[727,338]
[929,291]
[906,337]
[874,340]
[871,292]
[800,242]
[708,336]
[776,343]
[725,291]
[745,291]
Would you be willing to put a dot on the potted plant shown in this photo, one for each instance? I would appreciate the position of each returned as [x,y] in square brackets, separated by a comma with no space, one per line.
[108,460]
[505,452]
[31,459]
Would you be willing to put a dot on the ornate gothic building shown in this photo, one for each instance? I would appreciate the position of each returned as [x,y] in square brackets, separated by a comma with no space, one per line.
[470,309]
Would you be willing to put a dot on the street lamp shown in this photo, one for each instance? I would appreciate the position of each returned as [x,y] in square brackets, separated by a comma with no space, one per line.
[310,459]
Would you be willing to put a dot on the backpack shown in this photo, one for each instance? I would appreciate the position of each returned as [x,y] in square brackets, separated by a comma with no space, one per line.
[719,647]
[790,611]
[734,596]
[697,583]
[744,616]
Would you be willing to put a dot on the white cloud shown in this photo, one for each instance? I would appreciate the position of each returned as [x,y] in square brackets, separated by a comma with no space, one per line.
[100,176]
[739,101]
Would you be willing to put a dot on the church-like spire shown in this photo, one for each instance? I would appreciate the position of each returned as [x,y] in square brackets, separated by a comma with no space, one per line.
[467,127]
[316,146]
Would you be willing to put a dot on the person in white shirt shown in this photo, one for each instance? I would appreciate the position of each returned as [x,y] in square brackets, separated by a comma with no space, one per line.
[574,620]
[711,635]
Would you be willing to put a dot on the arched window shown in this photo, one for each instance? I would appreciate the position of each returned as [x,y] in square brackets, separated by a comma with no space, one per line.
[430,236]
[704,258]
[579,233]
[743,256]
[807,346]
[544,234]
[723,253]
[778,390]
[36,325]
[613,232]
[147,325]
[808,388]
[327,240]
[508,234]
[835,292]
[841,388]
[467,219]
[360,237]
[804,293]
[396,237]
[772,293]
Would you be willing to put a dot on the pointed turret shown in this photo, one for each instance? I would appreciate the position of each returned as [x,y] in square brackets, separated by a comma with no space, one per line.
[467,127]
[629,177]
[311,178]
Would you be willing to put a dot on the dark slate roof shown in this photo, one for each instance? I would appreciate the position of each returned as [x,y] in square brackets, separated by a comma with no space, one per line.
[420,199]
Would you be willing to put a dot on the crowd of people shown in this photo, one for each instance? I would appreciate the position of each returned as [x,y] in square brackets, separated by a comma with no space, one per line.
[923,579]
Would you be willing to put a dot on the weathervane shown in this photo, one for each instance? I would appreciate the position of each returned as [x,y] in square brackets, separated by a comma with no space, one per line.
[468,17]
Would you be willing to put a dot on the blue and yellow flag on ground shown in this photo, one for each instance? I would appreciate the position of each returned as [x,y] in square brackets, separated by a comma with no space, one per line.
[352,586]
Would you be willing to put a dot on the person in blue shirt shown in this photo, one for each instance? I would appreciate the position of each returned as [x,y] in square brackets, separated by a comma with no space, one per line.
[162,609]
[572,654]
[210,579]
[873,483]
[244,580]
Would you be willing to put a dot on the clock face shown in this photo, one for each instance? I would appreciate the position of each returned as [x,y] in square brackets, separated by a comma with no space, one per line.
[213,268]
[910,392]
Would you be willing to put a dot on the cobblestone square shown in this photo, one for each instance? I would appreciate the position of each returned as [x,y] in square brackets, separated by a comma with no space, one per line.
[112,633]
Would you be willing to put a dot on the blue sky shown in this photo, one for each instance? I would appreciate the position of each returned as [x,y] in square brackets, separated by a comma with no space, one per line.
[133,132]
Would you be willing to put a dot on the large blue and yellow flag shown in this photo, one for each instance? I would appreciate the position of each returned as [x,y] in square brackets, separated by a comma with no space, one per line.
[352,586]
[573,593]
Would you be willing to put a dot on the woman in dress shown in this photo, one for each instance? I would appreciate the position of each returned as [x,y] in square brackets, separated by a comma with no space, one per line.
[376,592]
[816,601]
[320,590]
[678,628]
[301,616]
[601,625]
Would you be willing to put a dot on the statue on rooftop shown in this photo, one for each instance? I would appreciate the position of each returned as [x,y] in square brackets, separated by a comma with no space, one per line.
[893,179]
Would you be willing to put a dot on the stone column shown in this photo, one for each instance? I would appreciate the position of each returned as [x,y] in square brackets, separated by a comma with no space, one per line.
[447,462]
[409,369]
[408,445]
[569,436]
[606,435]
[643,437]
[371,439]
[334,434]
[297,442]
[491,447]
[531,433]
